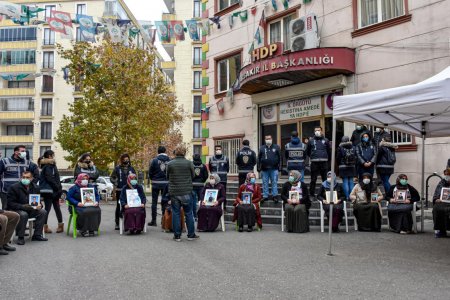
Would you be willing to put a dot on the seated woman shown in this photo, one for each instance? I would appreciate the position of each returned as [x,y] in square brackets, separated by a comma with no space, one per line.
[338,208]
[366,197]
[246,214]
[441,210]
[209,216]
[401,197]
[297,210]
[89,217]
[133,217]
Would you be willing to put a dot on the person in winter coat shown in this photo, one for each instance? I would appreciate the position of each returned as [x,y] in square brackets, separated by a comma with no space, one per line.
[119,178]
[441,210]
[346,158]
[157,174]
[245,160]
[198,182]
[269,164]
[297,211]
[319,152]
[86,165]
[386,161]
[51,189]
[357,134]
[338,208]
[295,154]
[133,216]
[367,156]
[380,134]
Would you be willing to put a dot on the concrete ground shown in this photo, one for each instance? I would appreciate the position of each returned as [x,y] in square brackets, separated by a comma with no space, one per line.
[269,264]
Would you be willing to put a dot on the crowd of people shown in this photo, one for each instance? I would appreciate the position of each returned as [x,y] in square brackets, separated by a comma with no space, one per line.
[182,184]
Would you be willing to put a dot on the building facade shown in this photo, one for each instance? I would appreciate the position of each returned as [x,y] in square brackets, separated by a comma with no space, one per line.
[32,108]
[285,76]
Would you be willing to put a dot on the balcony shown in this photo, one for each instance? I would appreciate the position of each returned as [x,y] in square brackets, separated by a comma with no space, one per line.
[16,115]
[168,65]
[170,4]
[169,17]
[18,92]
[16,139]
[18,45]
[25,68]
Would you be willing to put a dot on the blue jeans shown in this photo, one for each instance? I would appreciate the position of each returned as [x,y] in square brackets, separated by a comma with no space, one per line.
[187,202]
[273,176]
[347,185]
[196,194]
[385,179]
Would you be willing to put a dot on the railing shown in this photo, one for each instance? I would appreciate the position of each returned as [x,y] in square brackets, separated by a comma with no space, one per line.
[427,186]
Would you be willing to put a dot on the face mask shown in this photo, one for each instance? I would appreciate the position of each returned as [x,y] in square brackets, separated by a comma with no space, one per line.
[133,182]
[84,182]
[25,181]
[378,130]
[252,180]
[212,181]
[446,177]
[219,152]
[268,142]
[403,181]
[358,127]
[329,180]
[365,139]
[291,179]
[127,162]
[87,162]
[318,133]
[366,181]
[23,155]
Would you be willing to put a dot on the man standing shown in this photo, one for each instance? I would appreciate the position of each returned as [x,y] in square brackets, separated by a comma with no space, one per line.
[357,133]
[8,223]
[295,155]
[180,172]
[319,152]
[18,195]
[220,164]
[12,168]
[379,135]
[157,174]
[245,160]
[269,163]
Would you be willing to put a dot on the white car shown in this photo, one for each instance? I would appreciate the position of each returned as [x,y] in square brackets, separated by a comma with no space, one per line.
[103,182]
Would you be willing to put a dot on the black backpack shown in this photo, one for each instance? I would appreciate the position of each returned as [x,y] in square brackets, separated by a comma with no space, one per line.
[390,157]
[349,156]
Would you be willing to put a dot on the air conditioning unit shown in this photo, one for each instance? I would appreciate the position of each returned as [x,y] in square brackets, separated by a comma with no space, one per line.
[303,33]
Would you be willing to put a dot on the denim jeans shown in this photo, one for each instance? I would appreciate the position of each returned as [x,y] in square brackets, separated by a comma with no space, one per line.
[347,185]
[156,190]
[187,202]
[385,180]
[196,193]
[273,176]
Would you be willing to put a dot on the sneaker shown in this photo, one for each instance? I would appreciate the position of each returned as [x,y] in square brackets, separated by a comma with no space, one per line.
[177,238]
[8,247]
[3,251]
[39,238]
[85,233]
[250,229]
[241,229]
[21,241]
[440,234]
[403,232]
[193,238]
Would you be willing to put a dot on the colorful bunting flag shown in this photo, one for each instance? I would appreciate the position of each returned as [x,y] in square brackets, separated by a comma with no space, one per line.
[220,106]
[243,15]
[63,17]
[56,25]
[192,29]
[163,31]
[258,36]
[10,10]
[262,21]
[285,4]
[252,47]
[178,30]
[115,33]
[216,20]
[87,27]
[133,32]
[274,5]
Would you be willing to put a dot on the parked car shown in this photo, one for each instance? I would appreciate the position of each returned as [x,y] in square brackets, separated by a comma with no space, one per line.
[104,185]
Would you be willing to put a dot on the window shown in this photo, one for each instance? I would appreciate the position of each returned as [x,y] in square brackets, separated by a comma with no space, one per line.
[197,56]
[376,11]
[22,84]
[226,3]
[46,131]
[49,37]
[197,129]
[79,37]
[48,11]
[227,72]
[17,104]
[49,60]
[18,34]
[399,138]
[42,149]
[197,104]
[47,84]
[8,150]
[197,149]
[19,130]
[197,9]
[229,148]
[17,57]
[81,9]
[279,31]
[197,79]
[47,107]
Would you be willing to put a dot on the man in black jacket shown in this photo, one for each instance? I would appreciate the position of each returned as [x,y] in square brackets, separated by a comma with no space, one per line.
[319,152]
[220,164]
[157,174]
[269,164]
[198,182]
[245,160]
[357,133]
[18,195]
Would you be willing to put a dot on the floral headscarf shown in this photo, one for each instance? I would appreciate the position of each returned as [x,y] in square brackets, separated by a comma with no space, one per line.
[249,186]
[80,177]
[129,178]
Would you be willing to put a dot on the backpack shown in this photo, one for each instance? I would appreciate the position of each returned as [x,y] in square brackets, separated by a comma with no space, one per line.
[349,156]
[390,157]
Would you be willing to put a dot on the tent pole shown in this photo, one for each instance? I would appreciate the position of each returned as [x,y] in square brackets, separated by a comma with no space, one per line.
[423,179]
[333,159]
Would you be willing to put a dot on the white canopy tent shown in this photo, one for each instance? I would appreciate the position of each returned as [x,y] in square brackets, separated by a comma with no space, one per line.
[421,109]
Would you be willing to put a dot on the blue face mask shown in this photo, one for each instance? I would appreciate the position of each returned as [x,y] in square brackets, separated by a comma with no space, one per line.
[133,182]
[365,139]
[252,180]
[291,179]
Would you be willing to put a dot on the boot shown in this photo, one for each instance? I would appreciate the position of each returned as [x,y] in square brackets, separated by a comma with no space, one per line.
[60,228]
[47,229]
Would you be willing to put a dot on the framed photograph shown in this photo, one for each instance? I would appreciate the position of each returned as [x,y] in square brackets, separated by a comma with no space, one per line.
[88,196]
[34,200]
[445,195]
[210,197]
[374,197]
[328,200]
[247,197]
[294,196]
[133,199]
[401,196]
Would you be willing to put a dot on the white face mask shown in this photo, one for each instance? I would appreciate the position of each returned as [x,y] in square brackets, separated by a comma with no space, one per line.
[378,130]
[268,142]
[212,181]
[84,182]
[329,180]
[366,181]
[23,155]
[218,152]
[318,133]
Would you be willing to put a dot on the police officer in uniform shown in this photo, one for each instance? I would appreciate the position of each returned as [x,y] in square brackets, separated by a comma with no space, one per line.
[157,174]
[319,152]
[295,153]
[245,160]
[220,164]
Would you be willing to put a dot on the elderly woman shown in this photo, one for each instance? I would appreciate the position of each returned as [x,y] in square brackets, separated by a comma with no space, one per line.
[441,210]
[246,214]
[134,216]
[338,208]
[89,217]
[401,197]
[366,197]
[297,210]
[209,216]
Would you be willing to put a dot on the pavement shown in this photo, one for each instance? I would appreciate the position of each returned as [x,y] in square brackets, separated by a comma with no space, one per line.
[269,264]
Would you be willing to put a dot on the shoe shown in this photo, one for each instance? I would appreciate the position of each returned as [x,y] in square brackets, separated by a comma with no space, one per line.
[3,252]
[263,199]
[177,238]
[39,238]
[152,223]
[60,228]
[440,234]
[117,227]
[250,229]
[21,241]
[403,232]
[8,247]
[193,238]
[91,233]
[241,229]
[84,233]
[275,199]
[47,229]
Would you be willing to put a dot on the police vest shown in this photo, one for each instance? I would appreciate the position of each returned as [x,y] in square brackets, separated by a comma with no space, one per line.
[295,156]
[13,172]
[219,166]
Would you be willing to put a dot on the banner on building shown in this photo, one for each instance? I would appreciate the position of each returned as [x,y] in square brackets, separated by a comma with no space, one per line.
[193,29]
[163,31]
[178,30]
[87,27]
[301,108]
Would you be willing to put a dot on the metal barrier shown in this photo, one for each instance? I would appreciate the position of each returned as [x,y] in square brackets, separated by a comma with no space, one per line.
[435,174]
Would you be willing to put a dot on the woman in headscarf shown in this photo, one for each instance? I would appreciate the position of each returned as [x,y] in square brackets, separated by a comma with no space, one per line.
[209,216]
[297,210]
[401,197]
[366,197]
[89,217]
[134,216]
[338,209]
[441,210]
[247,214]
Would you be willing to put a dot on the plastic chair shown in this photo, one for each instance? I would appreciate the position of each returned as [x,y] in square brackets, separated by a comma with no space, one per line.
[222,218]
[73,220]
[322,216]
[122,224]
[282,217]
[30,229]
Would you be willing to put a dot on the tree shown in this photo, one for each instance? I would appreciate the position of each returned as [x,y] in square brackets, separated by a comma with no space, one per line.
[126,102]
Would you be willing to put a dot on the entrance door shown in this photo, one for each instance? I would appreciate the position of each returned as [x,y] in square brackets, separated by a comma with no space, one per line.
[308,128]
[286,130]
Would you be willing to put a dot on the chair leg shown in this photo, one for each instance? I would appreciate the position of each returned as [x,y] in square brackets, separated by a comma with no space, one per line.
[68,225]
[346,217]
[121,226]
[30,226]
[74,226]
[222,222]
[322,217]
[282,219]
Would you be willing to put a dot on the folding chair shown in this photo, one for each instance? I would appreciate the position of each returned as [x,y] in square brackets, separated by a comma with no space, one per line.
[322,216]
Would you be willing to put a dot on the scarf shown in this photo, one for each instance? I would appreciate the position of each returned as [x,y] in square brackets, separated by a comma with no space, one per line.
[248,186]
[326,184]
[80,178]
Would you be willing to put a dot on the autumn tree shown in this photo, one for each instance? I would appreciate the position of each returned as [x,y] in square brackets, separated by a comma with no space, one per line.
[125,102]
